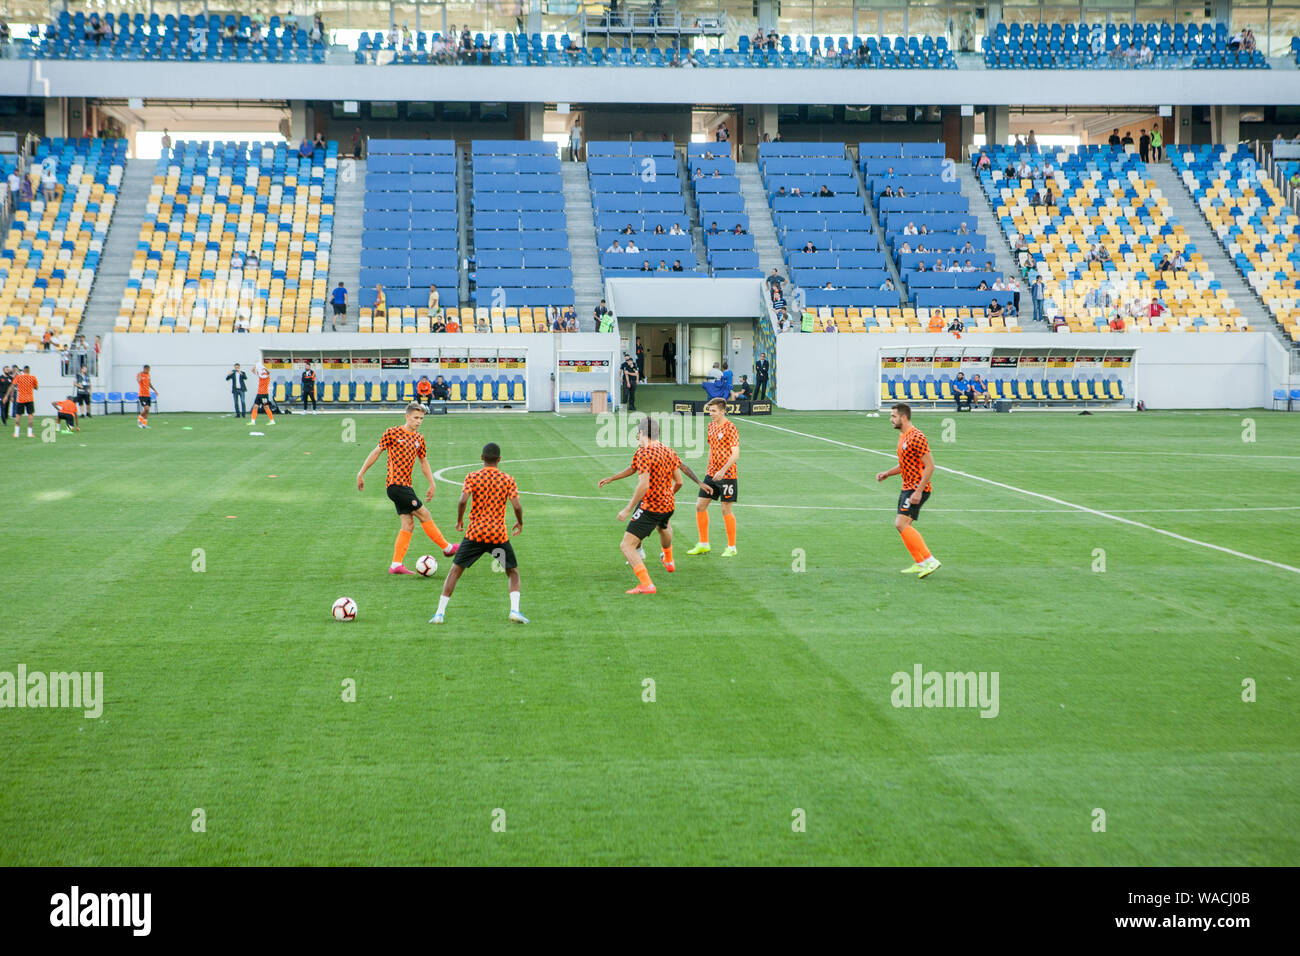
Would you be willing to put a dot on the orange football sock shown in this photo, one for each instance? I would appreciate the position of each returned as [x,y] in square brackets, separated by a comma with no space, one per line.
[668,554]
[643,576]
[254,413]
[399,549]
[702,521]
[730,522]
[434,534]
[915,544]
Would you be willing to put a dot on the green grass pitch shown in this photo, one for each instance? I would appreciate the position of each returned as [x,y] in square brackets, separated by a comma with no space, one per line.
[1119,689]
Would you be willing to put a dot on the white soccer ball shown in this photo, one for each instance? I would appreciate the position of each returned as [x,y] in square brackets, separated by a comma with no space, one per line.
[345,609]
[427,565]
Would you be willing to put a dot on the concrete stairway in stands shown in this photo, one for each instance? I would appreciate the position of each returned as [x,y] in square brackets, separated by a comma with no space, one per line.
[588,288]
[1212,251]
[995,240]
[761,227]
[119,249]
[345,244]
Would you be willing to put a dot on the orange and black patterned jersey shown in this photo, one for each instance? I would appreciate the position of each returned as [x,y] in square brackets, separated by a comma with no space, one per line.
[263,381]
[723,437]
[67,407]
[489,489]
[403,448]
[912,449]
[24,385]
[142,382]
[661,463]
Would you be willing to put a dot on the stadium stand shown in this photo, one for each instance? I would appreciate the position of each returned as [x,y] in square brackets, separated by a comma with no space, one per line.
[1100,248]
[47,265]
[942,258]
[410,237]
[1252,219]
[636,190]
[844,267]
[1056,46]
[228,39]
[914,52]
[521,263]
[717,197]
[236,238]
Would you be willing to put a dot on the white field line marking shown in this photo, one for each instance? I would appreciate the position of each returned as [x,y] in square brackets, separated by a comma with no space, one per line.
[439,476]
[1110,516]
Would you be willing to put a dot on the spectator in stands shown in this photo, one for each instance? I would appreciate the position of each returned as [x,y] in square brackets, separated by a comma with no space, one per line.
[676,230]
[436,324]
[995,309]
[677,265]
[1116,322]
[902,193]
[356,143]
[905,248]
[910,228]
[825,191]
[1010,171]
[49,185]
[690,62]
[957,326]
[713,228]
[739,230]
[968,267]
[626,230]
[1036,297]
[920,266]
[1049,200]
[662,267]
[1156,309]
[556,318]
[381,301]
[1180,263]
[829,286]
[1114,139]
[435,302]
[319,141]
[575,140]
[962,230]
[453,324]
[1103,254]
[783,323]
[940,267]
[15,184]
[483,324]
[935,324]
[339,299]
[809,247]
[1127,141]
[614,247]
[1024,170]
[466,44]
[570,319]
[887,193]
[659,229]
[982,162]
[982,287]
[1157,144]
[1236,40]
[304,148]
[1294,181]
[796,191]
[887,285]
[829,326]
[774,281]
[631,247]
[600,315]
[645,266]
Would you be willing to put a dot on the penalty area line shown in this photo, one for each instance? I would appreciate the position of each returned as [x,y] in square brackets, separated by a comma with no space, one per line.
[1036,494]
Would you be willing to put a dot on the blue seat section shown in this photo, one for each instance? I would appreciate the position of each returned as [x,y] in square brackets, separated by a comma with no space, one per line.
[409,237]
[170,38]
[728,254]
[636,194]
[1057,46]
[950,239]
[521,243]
[523,49]
[814,196]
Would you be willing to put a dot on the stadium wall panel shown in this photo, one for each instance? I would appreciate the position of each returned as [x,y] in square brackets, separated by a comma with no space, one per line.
[1202,370]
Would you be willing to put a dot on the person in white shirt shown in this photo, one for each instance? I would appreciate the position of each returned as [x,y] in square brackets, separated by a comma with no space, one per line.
[909,229]
[631,247]
[614,247]
[906,247]
[676,230]
[15,184]
[1024,171]
[393,36]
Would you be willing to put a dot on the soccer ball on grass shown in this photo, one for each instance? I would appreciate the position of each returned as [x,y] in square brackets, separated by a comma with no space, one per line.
[345,609]
[427,565]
